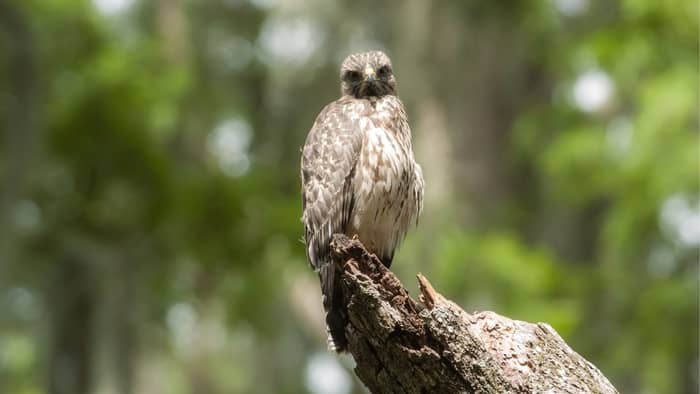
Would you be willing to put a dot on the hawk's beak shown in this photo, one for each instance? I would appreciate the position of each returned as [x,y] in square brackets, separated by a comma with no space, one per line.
[369,74]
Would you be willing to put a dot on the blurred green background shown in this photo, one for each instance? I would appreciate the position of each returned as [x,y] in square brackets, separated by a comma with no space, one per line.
[149,217]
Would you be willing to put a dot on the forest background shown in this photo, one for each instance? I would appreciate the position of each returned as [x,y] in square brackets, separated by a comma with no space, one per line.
[149,172]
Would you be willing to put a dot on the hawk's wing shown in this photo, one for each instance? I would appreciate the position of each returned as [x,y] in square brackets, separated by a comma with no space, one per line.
[327,170]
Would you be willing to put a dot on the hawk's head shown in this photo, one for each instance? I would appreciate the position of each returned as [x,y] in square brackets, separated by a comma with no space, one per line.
[367,74]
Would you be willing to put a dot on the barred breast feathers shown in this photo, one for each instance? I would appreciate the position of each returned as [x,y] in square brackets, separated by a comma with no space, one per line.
[388,183]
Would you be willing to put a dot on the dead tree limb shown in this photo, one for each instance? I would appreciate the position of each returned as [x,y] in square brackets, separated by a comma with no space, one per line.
[433,346]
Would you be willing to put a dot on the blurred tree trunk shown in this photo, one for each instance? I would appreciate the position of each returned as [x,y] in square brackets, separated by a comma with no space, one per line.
[402,346]
[488,55]
[72,306]
[70,294]
[117,336]
[125,322]
[18,106]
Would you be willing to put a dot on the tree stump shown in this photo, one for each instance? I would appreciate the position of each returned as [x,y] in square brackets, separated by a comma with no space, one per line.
[433,346]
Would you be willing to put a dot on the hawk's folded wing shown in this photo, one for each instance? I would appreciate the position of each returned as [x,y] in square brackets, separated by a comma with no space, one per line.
[327,167]
[328,163]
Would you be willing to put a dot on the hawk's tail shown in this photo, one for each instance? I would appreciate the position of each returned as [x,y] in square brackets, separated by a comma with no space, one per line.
[336,316]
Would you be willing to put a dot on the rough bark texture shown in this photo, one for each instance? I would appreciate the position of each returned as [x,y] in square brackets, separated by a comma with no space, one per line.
[433,346]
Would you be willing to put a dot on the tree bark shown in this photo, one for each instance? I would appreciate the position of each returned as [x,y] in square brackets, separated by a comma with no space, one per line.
[404,346]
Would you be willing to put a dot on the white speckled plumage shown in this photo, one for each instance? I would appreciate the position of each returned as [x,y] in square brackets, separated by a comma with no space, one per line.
[359,176]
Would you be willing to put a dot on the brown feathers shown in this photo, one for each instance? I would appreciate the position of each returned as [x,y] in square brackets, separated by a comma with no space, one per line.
[358,173]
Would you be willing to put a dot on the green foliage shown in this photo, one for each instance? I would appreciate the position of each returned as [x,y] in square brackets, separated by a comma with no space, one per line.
[501,273]
[188,259]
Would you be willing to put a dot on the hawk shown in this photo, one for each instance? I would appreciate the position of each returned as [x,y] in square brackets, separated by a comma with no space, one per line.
[358,175]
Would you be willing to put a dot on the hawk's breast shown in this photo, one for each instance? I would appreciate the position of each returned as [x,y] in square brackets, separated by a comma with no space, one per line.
[384,202]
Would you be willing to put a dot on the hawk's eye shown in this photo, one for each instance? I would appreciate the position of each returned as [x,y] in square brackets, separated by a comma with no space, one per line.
[353,76]
[383,71]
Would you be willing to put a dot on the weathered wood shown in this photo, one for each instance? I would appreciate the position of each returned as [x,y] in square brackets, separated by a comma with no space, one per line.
[404,346]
